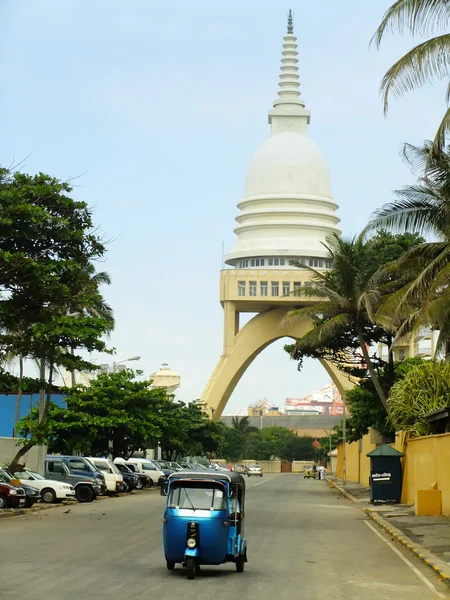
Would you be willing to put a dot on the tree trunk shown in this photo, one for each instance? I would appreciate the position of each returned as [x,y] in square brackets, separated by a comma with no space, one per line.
[370,367]
[19,396]
[72,371]
[44,406]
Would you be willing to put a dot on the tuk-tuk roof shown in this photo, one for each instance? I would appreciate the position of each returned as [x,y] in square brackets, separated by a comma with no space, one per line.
[231,477]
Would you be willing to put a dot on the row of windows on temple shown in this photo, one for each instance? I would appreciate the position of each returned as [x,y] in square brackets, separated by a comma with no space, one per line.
[317,263]
[275,288]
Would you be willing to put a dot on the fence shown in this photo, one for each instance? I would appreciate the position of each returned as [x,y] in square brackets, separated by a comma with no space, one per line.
[425,464]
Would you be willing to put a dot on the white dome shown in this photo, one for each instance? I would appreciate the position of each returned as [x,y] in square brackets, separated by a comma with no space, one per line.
[287,209]
[288,163]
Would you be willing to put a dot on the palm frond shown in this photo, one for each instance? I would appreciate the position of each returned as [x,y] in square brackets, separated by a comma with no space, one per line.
[414,210]
[417,16]
[323,332]
[307,312]
[102,278]
[425,63]
[440,139]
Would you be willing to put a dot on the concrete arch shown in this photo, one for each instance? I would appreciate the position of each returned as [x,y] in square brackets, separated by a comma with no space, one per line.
[244,346]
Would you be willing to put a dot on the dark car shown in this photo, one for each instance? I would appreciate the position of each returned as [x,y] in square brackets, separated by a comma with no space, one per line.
[32,495]
[130,479]
[144,479]
[11,496]
[163,466]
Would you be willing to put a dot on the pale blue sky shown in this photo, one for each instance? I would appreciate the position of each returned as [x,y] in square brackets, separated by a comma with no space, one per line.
[159,107]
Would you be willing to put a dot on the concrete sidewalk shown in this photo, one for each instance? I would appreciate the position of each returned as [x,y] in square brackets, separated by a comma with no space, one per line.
[427,537]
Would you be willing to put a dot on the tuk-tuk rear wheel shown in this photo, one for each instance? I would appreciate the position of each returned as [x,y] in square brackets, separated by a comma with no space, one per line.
[240,563]
[191,567]
[170,565]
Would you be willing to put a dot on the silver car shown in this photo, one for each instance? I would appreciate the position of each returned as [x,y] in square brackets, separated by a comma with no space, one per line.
[255,470]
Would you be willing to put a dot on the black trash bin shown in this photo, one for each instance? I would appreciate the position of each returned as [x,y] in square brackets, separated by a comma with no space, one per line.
[385,475]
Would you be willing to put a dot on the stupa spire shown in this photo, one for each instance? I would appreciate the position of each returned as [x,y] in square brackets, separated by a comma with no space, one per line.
[290,26]
[289,86]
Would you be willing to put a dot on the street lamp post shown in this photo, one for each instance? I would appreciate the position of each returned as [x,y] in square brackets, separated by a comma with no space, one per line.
[115,364]
[114,370]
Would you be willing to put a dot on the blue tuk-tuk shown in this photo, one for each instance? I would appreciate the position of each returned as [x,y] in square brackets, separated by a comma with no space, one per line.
[204,520]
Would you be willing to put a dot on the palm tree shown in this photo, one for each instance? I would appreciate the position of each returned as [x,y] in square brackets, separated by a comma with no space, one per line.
[97,307]
[428,61]
[424,208]
[243,425]
[348,296]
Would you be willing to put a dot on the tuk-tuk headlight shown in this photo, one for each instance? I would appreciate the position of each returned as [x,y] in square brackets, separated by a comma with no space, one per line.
[191,543]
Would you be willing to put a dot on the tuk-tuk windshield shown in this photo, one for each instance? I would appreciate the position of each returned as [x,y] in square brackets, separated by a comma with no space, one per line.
[197,497]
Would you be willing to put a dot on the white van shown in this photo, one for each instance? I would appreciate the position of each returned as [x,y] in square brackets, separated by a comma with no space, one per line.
[113,476]
[145,466]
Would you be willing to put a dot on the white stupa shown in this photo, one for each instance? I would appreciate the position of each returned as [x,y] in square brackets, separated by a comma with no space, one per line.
[165,378]
[287,210]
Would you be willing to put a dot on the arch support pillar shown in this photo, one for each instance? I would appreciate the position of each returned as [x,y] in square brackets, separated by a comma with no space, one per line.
[242,347]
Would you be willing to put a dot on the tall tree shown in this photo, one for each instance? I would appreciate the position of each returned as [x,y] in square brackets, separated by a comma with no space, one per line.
[423,207]
[343,349]
[348,297]
[242,424]
[426,62]
[47,247]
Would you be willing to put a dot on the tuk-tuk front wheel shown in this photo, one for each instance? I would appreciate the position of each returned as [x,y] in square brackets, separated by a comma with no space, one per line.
[240,563]
[170,565]
[191,567]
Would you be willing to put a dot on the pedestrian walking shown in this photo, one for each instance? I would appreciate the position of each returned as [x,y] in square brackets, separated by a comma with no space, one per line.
[321,470]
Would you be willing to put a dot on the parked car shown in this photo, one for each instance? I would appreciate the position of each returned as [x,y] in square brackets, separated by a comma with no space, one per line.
[174,465]
[199,467]
[254,470]
[131,480]
[240,469]
[144,480]
[218,467]
[77,471]
[163,466]
[32,495]
[11,496]
[146,466]
[113,476]
[51,490]
[187,465]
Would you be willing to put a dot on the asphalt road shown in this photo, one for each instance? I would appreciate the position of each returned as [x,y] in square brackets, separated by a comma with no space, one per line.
[304,540]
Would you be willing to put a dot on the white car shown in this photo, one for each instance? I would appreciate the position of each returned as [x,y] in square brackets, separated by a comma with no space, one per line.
[113,476]
[255,470]
[51,490]
[145,466]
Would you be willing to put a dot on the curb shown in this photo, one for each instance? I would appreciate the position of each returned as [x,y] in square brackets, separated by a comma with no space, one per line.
[438,565]
[21,512]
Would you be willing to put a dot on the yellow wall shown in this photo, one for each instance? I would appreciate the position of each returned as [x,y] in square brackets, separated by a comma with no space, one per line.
[426,463]
[364,461]
[353,461]
[339,461]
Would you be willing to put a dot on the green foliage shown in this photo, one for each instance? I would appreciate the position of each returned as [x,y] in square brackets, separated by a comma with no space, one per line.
[343,347]
[242,424]
[298,448]
[259,448]
[364,406]
[427,62]
[265,444]
[121,414]
[233,444]
[424,206]
[423,389]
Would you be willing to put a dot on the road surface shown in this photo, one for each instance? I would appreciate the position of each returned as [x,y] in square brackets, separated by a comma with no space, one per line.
[305,542]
